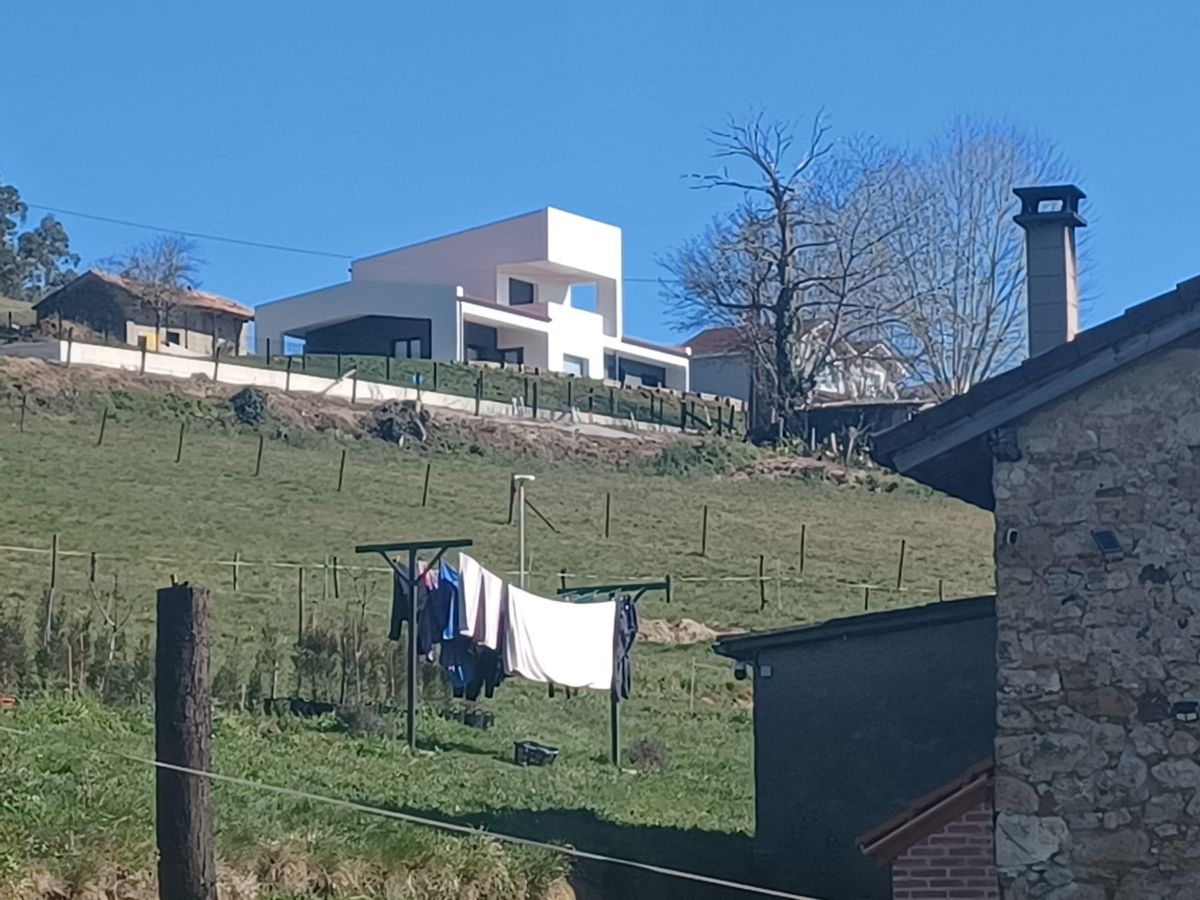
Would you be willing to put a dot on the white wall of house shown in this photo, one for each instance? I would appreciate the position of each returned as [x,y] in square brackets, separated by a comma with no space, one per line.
[550,249]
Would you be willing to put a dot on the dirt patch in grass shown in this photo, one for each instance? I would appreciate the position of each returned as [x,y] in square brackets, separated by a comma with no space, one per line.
[685,631]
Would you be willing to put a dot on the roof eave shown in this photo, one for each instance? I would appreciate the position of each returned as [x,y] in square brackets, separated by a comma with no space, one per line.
[924,457]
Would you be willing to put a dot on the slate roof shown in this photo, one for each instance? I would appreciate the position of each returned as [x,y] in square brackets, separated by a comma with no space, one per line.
[946,446]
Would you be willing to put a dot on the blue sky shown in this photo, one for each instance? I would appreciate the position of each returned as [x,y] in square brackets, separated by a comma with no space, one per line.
[357,127]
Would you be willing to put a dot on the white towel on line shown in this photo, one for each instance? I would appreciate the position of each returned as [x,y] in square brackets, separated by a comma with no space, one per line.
[569,644]
[470,594]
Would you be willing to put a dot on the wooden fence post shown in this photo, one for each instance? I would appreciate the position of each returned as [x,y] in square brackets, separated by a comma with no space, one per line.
[762,582]
[287,378]
[435,375]
[142,366]
[179,449]
[48,629]
[183,737]
[425,489]
[258,457]
[24,403]
[342,471]
[803,536]
[900,567]
[103,423]
[704,532]
[607,512]
[478,392]
[70,343]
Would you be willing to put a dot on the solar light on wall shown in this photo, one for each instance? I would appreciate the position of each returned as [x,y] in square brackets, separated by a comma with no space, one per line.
[741,671]
[1107,542]
[1186,711]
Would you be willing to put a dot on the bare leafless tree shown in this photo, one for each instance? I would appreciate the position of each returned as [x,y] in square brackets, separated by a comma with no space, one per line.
[960,258]
[800,265]
[165,266]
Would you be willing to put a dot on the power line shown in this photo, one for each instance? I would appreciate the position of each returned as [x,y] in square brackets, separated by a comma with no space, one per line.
[192,234]
[453,827]
[262,245]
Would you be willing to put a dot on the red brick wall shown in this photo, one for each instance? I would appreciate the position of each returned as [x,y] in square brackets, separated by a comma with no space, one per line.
[955,863]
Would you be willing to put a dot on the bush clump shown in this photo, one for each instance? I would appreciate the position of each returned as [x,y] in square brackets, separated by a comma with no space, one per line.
[398,420]
[649,755]
[706,457]
[250,406]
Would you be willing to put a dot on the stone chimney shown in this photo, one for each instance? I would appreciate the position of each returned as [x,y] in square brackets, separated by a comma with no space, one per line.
[1050,216]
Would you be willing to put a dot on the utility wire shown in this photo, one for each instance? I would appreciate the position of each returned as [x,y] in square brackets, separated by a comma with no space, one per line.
[191,234]
[453,827]
[262,245]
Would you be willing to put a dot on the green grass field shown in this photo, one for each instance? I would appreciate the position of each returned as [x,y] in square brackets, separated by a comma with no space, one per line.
[22,313]
[148,518]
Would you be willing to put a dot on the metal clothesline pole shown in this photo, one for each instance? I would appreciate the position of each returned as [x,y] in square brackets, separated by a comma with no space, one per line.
[411,618]
[638,588]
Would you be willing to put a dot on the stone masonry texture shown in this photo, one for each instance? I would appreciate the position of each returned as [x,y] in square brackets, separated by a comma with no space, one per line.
[1097,768]
[953,863]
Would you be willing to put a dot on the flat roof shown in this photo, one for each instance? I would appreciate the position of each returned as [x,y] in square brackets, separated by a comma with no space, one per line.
[744,646]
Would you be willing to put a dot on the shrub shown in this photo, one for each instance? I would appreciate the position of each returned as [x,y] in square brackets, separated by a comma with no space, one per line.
[649,755]
[249,406]
[705,457]
[396,420]
[15,668]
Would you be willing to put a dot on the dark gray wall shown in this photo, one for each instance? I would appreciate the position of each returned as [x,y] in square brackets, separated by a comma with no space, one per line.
[848,732]
[368,335]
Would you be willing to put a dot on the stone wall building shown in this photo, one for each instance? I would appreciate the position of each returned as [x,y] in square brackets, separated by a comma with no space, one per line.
[1089,455]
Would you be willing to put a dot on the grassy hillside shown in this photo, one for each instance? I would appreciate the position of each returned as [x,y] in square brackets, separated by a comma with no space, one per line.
[22,313]
[148,517]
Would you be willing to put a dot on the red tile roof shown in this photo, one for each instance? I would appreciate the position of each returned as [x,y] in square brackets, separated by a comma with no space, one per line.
[192,299]
[929,814]
[650,345]
[719,341]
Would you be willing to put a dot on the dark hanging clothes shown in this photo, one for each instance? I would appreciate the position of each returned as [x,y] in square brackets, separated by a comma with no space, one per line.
[624,636]
[431,618]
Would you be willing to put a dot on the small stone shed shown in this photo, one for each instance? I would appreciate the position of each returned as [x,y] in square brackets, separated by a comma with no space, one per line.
[137,313]
[1088,454]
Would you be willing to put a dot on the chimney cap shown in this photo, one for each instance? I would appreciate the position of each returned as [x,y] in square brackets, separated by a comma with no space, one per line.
[1063,200]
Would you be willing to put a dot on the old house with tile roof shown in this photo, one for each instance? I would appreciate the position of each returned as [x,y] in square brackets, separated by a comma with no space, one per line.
[133,312]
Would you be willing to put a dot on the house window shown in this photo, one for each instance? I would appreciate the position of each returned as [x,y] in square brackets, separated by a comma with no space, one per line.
[407,348]
[575,365]
[174,338]
[520,292]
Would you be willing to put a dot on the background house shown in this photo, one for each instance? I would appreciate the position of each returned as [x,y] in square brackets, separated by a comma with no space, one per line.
[1089,456]
[542,289]
[853,718]
[160,318]
[863,386]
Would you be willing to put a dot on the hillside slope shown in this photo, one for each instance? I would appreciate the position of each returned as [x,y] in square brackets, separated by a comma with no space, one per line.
[148,517]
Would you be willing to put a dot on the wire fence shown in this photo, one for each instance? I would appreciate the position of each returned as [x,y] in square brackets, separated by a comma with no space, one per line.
[456,828]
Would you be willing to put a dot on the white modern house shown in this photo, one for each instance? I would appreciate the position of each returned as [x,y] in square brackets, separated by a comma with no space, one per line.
[515,291]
